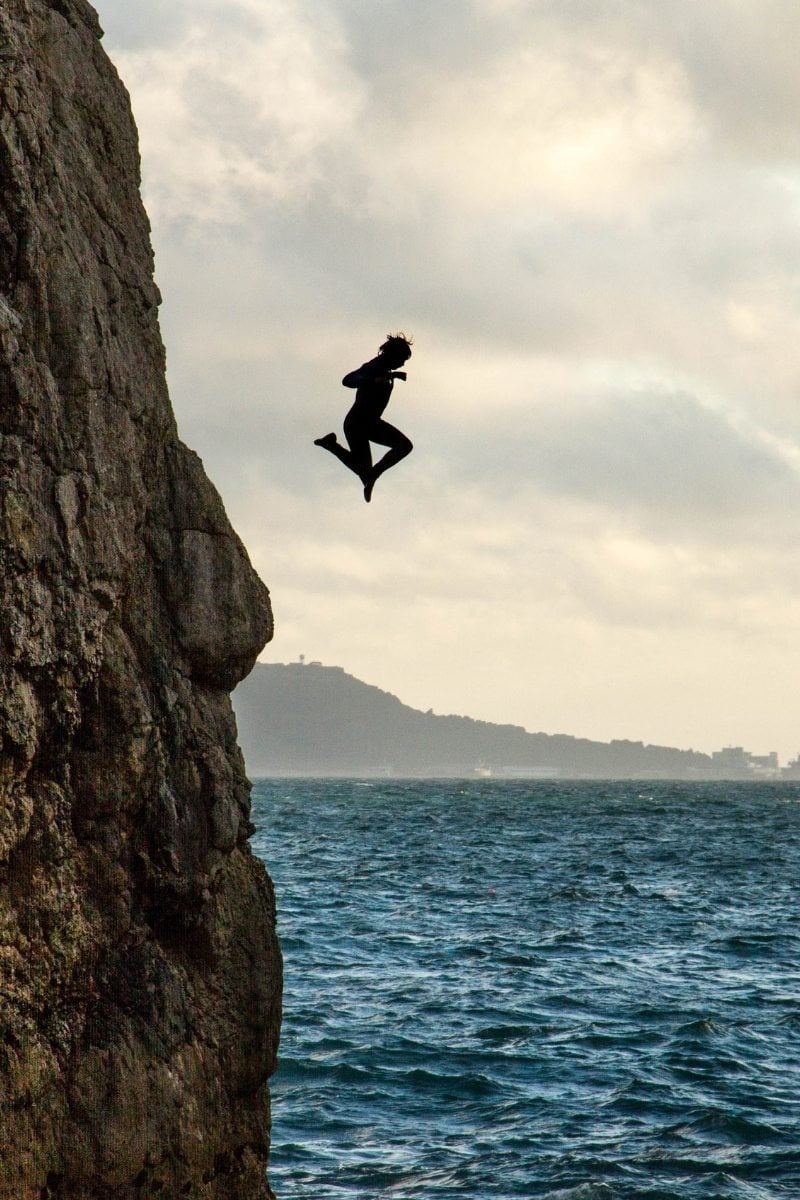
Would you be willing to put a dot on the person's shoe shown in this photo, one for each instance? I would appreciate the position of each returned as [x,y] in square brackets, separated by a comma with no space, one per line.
[326,442]
[368,486]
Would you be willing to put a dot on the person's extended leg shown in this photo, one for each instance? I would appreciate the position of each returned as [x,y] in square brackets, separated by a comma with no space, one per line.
[358,458]
[399,446]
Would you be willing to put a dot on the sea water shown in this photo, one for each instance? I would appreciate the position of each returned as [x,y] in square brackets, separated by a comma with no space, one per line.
[583,991]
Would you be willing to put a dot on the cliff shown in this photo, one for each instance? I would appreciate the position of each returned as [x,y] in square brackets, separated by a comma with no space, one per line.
[299,719]
[139,971]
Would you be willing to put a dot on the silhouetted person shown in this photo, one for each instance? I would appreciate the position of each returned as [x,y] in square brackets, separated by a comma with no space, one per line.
[364,423]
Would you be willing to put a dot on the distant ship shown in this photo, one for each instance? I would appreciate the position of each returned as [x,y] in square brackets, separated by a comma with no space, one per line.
[531,772]
[483,771]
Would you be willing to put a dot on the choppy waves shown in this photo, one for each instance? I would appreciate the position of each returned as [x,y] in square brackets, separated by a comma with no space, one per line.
[577,991]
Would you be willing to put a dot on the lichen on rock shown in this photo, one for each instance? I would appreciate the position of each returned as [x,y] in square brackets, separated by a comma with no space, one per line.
[139,969]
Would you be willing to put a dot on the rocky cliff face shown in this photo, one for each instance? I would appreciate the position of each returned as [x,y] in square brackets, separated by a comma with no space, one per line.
[139,972]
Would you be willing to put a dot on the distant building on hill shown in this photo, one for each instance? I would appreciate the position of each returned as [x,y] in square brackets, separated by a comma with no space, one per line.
[734,762]
[792,769]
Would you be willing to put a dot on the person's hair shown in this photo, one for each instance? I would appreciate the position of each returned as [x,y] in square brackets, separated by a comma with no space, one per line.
[398,341]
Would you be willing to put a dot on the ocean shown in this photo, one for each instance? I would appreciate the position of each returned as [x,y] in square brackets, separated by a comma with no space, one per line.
[577,990]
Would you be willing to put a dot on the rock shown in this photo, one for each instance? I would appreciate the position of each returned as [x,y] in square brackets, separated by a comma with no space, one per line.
[139,970]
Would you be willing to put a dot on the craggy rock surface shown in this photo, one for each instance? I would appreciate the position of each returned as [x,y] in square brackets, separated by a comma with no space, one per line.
[139,972]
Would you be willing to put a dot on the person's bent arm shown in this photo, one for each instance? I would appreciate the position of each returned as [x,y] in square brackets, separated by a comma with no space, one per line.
[368,372]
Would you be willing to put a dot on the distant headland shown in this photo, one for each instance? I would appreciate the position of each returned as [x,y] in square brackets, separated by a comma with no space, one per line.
[308,719]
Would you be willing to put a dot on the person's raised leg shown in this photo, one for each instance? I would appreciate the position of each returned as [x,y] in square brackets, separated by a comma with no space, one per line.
[399,447]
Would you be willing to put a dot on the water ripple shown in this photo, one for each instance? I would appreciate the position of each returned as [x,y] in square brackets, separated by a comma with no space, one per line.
[568,991]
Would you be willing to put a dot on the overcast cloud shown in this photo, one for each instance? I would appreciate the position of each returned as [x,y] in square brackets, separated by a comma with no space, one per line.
[587,215]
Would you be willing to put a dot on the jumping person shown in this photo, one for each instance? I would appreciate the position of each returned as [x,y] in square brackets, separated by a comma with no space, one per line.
[364,423]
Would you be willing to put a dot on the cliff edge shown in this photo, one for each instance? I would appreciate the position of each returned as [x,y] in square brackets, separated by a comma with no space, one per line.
[139,971]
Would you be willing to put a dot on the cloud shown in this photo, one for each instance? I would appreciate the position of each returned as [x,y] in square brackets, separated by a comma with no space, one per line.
[269,99]
[586,213]
[583,129]
[241,103]
[660,461]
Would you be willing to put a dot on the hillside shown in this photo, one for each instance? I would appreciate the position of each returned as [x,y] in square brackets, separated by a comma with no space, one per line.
[140,972]
[306,719]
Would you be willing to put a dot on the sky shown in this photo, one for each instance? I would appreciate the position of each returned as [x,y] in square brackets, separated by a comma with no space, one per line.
[587,215]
